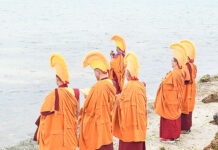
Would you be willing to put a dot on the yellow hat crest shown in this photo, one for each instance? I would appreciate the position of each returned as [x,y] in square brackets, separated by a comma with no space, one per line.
[132,63]
[96,59]
[190,48]
[179,53]
[58,62]
[119,42]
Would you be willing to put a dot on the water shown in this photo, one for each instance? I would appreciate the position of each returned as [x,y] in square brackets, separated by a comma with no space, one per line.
[31,30]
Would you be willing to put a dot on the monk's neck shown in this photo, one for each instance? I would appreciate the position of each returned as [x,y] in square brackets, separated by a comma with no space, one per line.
[63,85]
[133,79]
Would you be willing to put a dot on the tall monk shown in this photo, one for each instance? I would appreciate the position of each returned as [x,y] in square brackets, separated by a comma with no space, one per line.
[169,97]
[96,117]
[57,124]
[190,87]
[130,113]
[117,66]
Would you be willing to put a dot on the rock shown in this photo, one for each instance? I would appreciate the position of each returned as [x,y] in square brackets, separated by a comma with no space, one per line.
[214,144]
[205,78]
[215,118]
[211,98]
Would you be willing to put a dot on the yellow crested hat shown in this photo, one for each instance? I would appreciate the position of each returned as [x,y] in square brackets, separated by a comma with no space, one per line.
[190,48]
[58,62]
[132,63]
[96,59]
[179,53]
[119,42]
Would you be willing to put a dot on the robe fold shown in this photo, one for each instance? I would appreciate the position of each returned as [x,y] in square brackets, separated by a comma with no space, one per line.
[170,95]
[96,118]
[57,128]
[130,116]
[117,72]
[168,103]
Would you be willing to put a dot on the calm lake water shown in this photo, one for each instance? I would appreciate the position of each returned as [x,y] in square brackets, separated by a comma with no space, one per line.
[31,30]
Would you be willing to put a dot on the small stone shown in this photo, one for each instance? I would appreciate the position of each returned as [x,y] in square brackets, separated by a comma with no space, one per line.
[215,118]
[162,148]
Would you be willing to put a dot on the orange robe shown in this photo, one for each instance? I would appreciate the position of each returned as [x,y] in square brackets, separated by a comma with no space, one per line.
[130,115]
[96,118]
[186,90]
[58,122]
[188,96]
[193,87]
[169,95]
[117,71]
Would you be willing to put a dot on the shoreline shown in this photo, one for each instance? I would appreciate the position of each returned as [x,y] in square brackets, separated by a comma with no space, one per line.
[202,131]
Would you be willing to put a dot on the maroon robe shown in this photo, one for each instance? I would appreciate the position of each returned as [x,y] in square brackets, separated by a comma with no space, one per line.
[131,145]
[186,121]
[107,147]
[170,129]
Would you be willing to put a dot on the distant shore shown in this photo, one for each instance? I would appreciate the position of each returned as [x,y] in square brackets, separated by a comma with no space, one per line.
[202,131]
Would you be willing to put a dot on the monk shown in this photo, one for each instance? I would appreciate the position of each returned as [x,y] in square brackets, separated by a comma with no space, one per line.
[130,114]
[57,123]
[169,97]
[117,66]
[189,89]
[96,117]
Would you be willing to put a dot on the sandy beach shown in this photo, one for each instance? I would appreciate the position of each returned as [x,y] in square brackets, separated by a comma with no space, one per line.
[202,132]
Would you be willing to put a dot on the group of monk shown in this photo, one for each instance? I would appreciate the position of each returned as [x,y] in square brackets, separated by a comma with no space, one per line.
[176,94]
[114,109]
